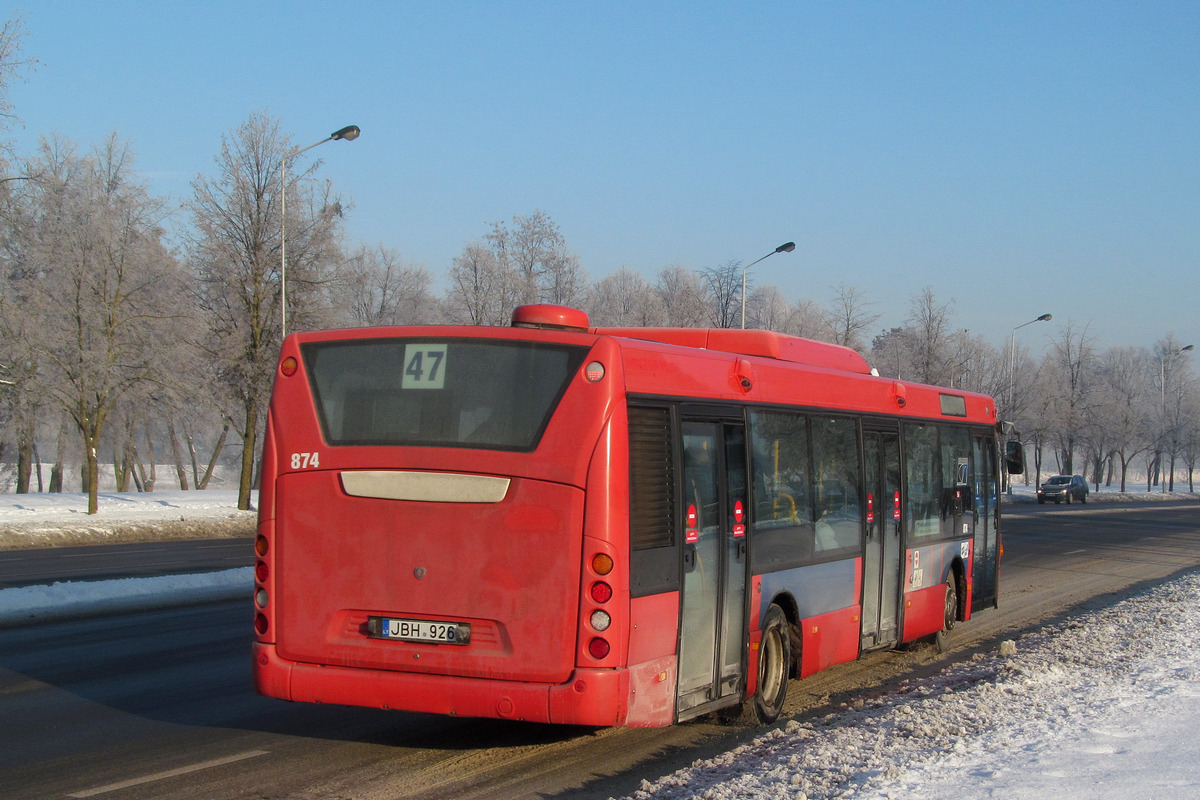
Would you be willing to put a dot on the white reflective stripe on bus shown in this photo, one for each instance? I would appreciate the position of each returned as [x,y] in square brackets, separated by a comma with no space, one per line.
[432,487]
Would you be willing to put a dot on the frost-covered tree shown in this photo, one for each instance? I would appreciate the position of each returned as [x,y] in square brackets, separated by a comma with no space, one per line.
[377,287]
[683,296]
[1068,384]
[234,254]
[96,292]
[535,252]
[625,299]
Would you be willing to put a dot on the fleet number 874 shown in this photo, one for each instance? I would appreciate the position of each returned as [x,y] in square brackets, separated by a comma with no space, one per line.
[306,460]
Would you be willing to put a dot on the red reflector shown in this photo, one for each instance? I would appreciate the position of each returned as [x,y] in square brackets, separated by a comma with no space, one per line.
[601,592]
[261,572]
[260,623]
[597,647]
[288,366]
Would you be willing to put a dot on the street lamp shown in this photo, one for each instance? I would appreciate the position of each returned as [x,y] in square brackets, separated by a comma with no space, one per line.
[786,247]
[349,134]
[1012,356]
[1012,370]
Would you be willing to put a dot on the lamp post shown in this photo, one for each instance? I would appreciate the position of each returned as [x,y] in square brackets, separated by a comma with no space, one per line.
[786,247]
[1012,355]
[1162,411]
[1012,370]
[349,134]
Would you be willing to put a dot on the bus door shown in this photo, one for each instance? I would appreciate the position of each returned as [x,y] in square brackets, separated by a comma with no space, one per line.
[712,628]
[882,553]
[987,544]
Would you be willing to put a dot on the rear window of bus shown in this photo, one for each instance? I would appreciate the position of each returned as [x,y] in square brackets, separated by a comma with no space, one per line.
[443,393]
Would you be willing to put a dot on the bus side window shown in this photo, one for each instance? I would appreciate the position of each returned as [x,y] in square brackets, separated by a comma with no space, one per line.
[836,474]
[782,527]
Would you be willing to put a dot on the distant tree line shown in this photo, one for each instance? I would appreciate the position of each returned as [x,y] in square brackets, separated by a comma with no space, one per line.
[124,344]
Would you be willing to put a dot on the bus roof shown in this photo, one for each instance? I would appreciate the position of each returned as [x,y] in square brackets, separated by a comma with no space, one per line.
[768,344]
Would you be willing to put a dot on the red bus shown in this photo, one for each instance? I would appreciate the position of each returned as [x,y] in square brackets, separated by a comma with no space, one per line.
[607,527]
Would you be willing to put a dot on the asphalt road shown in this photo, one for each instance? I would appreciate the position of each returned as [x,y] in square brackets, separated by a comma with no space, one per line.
[109,561]
[159,704]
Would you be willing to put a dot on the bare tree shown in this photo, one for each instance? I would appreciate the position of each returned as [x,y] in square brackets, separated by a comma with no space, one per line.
[723,289]
[767,308]
[1068,367]
[95,284]
[625,299]
[17,364]
[534,249]
[482,291]
[930,323]
[1120,422]
[806,319]
[683,297]
[1190,451]
[378,288]
[12,68]
[19,356]
[849,317]
[234,255]
[1174,375]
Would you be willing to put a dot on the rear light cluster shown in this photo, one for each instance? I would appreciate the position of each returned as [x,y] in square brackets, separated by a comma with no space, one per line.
[261,573]
[600,592]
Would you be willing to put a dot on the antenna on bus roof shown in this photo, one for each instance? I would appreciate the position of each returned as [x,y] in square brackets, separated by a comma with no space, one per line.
[549,316]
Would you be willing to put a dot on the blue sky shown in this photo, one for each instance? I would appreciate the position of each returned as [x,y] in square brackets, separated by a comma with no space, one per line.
[1020,158]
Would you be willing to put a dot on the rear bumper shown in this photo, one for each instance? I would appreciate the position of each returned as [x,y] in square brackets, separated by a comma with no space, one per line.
[640,696]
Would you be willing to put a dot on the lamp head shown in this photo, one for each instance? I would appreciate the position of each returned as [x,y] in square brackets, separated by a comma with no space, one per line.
[349,133]
[786,248]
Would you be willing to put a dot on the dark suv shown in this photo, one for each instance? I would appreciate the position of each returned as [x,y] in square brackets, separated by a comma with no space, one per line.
[1063,487]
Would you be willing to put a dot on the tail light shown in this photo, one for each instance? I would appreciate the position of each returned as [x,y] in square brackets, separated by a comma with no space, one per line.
[263,586]
[597,593]
[598,648]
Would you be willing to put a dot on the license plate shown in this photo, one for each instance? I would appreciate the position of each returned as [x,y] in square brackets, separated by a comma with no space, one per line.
[419,630]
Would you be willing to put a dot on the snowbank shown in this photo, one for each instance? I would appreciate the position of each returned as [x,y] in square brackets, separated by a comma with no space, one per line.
[66,599]
[40,520]
[1102,706]
[54,520]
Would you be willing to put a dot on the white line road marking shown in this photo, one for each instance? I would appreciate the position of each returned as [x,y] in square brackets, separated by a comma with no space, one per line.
[158,776]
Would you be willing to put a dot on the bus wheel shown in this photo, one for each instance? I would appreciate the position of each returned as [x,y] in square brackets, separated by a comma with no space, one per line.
[774,666]
[941,639]
[951,603]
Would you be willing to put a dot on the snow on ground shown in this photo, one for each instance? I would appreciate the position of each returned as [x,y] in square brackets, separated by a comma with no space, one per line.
[116,506]
[43,518]
[65,599]
[1104,705]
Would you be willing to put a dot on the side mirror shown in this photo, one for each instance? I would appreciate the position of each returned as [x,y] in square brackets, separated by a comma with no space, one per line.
[1014,458]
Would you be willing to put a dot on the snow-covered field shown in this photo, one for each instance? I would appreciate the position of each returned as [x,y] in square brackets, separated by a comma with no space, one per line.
[1105,705]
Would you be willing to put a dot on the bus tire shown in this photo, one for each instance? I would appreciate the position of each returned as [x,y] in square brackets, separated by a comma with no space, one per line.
[774,665]
[951,614]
